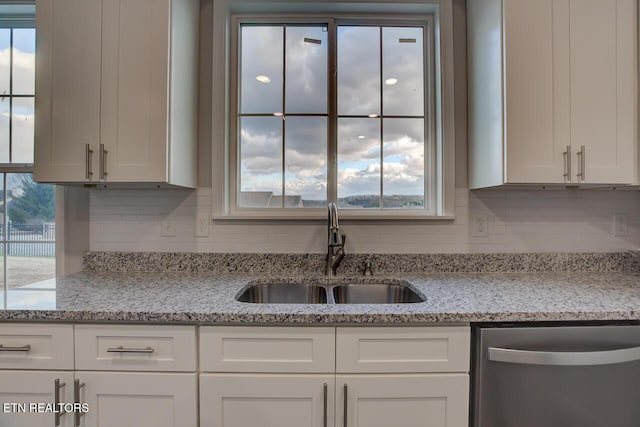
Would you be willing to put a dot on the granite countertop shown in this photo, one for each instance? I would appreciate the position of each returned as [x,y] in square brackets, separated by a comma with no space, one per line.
[187,297]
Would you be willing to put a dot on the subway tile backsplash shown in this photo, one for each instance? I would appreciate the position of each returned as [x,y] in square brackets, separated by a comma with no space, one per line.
[518,221]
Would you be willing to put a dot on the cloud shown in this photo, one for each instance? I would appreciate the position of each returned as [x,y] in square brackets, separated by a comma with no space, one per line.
[306,68]
[23,115]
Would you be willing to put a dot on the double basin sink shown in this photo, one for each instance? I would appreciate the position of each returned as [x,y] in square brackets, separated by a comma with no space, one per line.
[397,292]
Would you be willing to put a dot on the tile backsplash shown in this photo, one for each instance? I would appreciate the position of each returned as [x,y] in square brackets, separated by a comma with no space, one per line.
[518,221]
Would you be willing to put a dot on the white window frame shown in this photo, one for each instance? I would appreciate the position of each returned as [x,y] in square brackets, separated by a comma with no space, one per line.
[19,16]
[439,119]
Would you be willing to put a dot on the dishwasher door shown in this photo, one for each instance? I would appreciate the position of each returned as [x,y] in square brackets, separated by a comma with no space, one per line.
[567,376]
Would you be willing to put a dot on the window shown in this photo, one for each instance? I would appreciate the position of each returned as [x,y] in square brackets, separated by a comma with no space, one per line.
[27,209]
[330,109]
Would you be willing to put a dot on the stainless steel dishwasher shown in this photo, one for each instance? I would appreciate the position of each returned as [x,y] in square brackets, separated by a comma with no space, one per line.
[556,376]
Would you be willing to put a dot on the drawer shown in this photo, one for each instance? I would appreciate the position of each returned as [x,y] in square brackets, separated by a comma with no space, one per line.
[36,346]
[267,349]
[403,349]
[135,348]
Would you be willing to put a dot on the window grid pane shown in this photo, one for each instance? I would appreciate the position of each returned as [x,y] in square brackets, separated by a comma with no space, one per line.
[380,89]
[27,211]
[399,167]
[283,127]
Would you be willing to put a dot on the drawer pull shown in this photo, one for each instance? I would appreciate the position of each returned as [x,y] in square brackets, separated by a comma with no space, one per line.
[122,349]
[26,347]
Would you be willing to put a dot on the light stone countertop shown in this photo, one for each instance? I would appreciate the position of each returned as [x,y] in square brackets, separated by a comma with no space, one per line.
[208,298]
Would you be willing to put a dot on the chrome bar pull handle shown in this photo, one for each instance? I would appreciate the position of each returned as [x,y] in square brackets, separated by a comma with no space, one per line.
[77,385]
[57,385]
[25,348]
[581,163]
[103,162]
[567,163]
[88,153]
[554,358]
[346,404]
[122,349]
[324,421]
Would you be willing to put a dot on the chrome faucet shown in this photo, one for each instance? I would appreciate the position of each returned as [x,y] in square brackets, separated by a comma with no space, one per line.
[335,242]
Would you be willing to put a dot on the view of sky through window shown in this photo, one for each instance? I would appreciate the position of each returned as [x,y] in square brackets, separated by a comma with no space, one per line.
[284,139]
[27,209]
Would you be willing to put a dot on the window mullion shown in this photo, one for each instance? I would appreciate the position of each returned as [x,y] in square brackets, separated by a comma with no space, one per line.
[381,127]
[332,131]
[284,107]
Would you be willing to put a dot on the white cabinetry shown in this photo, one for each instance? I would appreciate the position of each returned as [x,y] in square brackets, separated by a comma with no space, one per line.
[34,356]
[266,400]
[553,92]
[407,400]
[28,387]
[138,399]
[385,376]
[36,366]
[117,91]
[164,397]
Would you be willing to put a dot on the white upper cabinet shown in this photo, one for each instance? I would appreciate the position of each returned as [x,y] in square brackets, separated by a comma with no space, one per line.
[117,91]
[67,124]
[553,92]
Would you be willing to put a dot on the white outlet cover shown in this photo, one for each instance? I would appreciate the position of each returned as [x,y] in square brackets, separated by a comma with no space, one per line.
[202,225]
[480,226]
[620,224]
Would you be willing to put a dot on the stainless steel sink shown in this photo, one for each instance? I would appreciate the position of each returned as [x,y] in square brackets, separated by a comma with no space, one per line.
[280,293]
[367,292]
[375,293]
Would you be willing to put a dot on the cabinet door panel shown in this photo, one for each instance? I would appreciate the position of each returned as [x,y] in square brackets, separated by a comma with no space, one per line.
[68,87]
[138,399]
[50,346]
[536,90]
[135,57]
[428,400]
[25,387]
[244,400]
[604,88]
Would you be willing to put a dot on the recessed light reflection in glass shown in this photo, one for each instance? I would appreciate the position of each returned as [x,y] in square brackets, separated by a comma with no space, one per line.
[263,79]
[360,136]
[278,114]
[391,81]
[372,116]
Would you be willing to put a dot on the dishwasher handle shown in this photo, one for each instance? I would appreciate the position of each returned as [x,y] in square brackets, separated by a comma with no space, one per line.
[553,358]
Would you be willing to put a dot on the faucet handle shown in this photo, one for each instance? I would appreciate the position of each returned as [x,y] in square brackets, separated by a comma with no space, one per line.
[335,240]
[344,240]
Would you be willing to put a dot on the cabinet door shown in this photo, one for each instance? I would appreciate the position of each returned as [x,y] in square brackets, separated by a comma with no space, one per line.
[135,58]
[288,400]
[68,86]
[604,88]
[26,387]
[427,400]
[138,399]
[536,44]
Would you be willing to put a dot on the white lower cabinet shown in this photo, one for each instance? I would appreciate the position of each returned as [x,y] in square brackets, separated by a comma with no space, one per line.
[286,400]
[374,376]
[24,388]
[147,376]
[410,400]
[123,399]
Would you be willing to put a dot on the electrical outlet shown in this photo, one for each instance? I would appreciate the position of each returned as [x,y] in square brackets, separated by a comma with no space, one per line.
[480,226]
[202,225]
[620,224]
[169,226]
